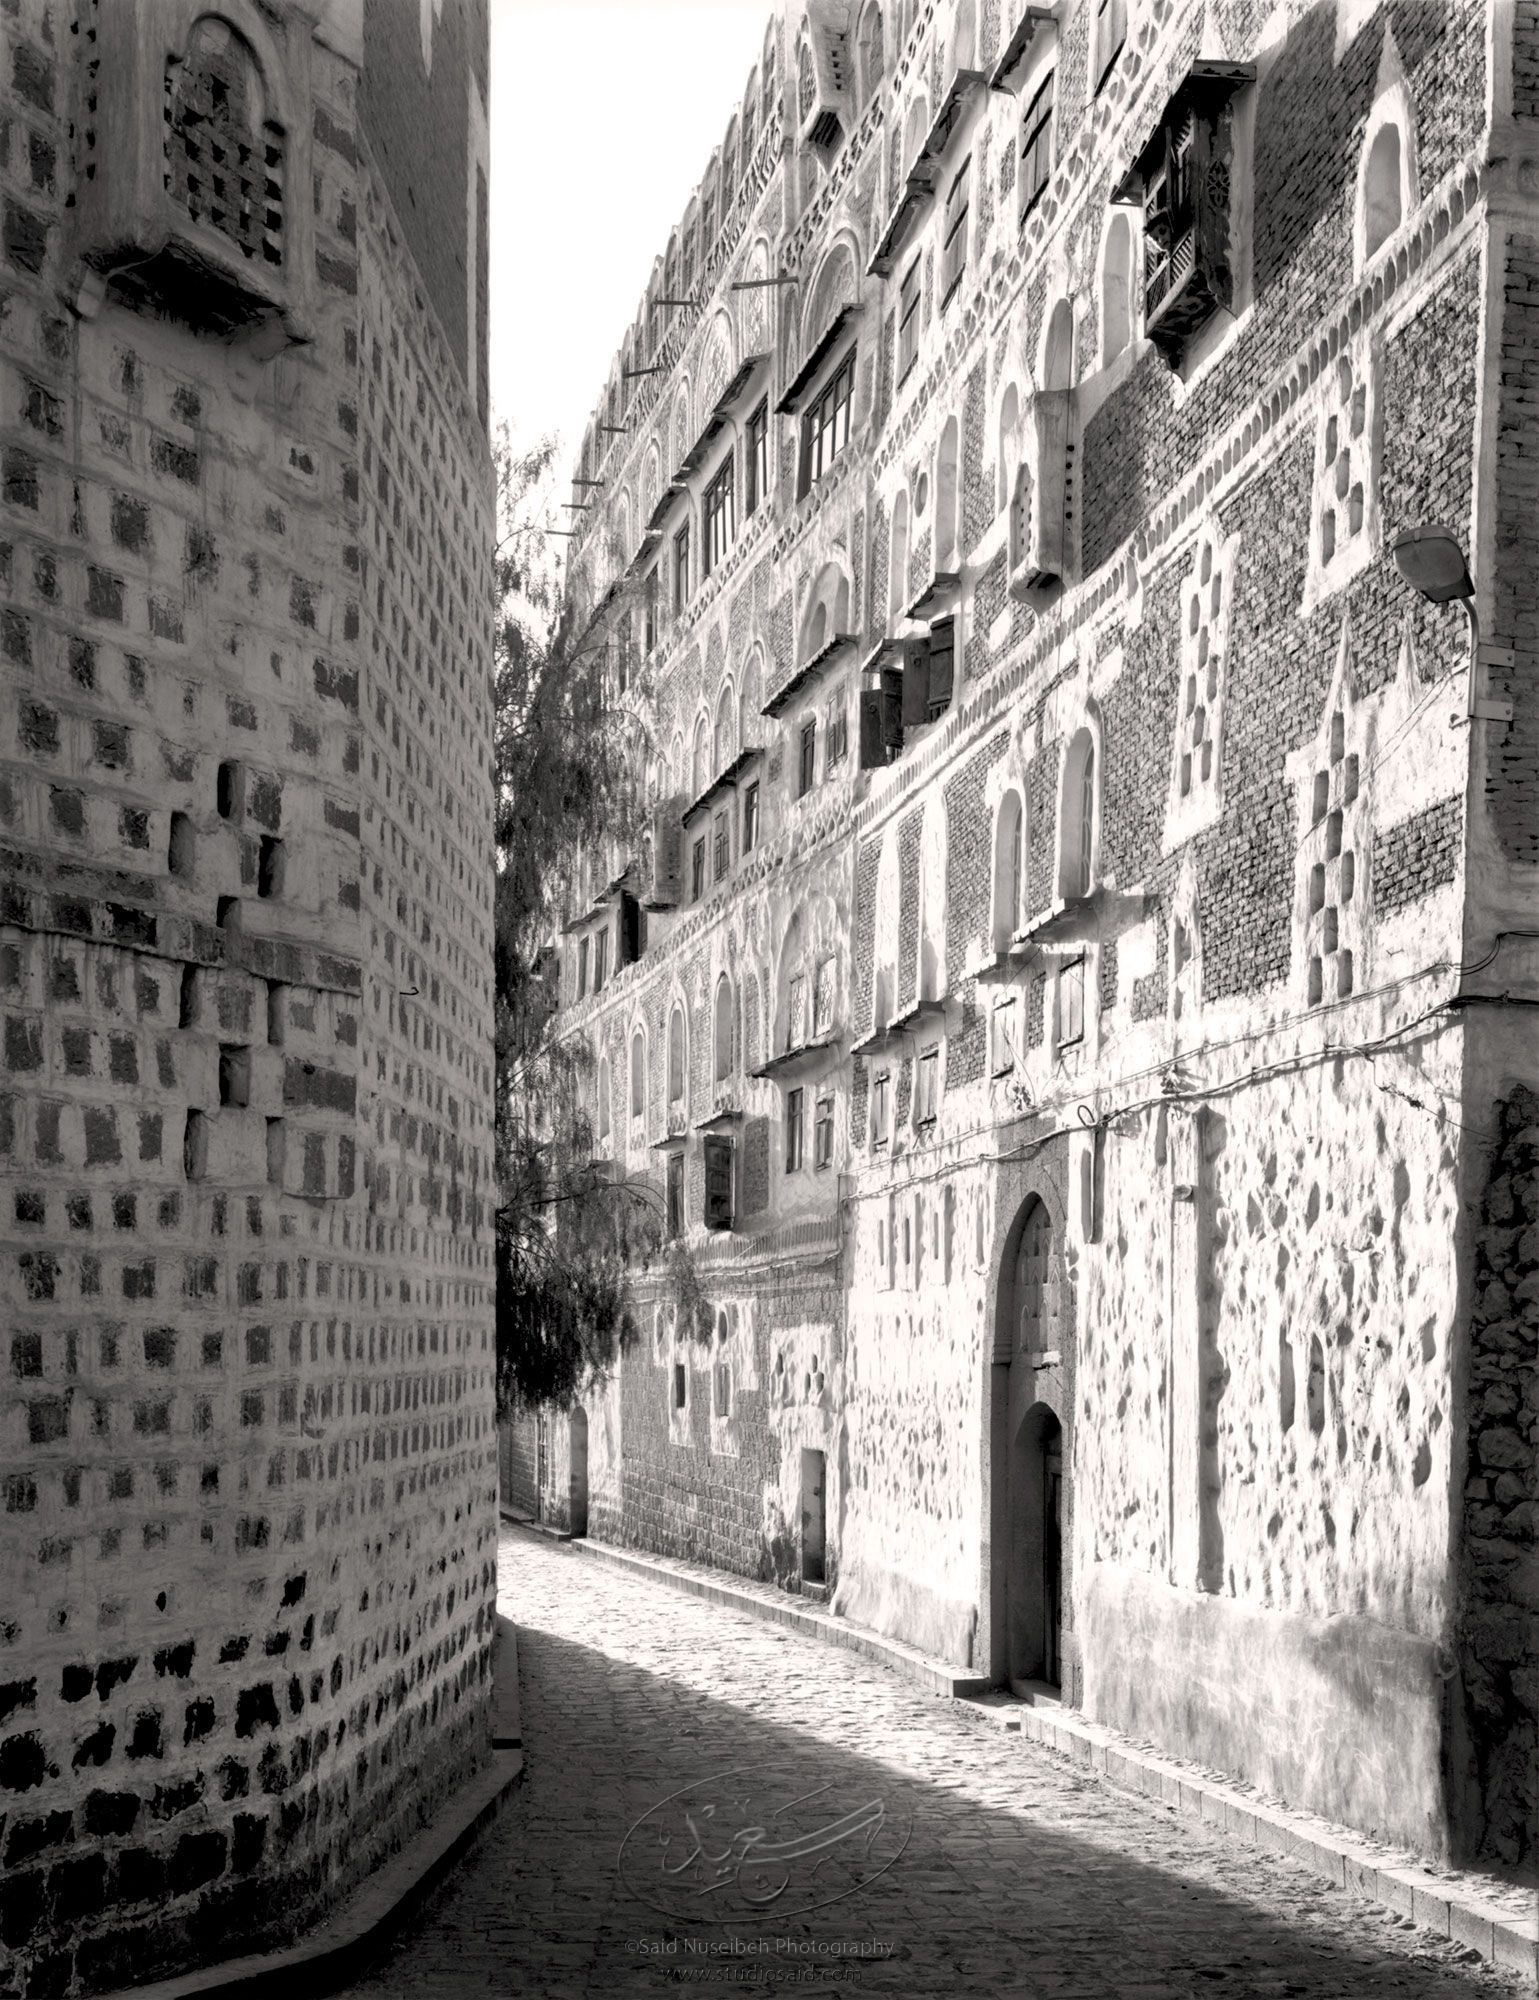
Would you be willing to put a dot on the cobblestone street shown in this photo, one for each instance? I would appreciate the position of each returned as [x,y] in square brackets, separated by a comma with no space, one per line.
[1020,1875]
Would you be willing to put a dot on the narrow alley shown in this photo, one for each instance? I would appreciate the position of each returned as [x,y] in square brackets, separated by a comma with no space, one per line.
[1001,1869]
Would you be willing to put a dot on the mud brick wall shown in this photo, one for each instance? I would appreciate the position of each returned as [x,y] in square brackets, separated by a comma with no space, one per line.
[248,1511]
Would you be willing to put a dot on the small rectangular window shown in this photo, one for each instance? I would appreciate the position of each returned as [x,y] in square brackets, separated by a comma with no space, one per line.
[756,476]
[793,1130]
[718,1182]
[681,568]
[1002,1036]
[680,1385]
[927,1087]
[881,1106]
[720,524]
[954,247]
[649,612]
[823,1134]
[675,1192]
[823,995]
[697,870]
[1071,1003]
[750,817]
[908,321]
[600,961]
[723,1375]
[582,967]
[796,1011]
[723,831]
[806,759]
[1037,145]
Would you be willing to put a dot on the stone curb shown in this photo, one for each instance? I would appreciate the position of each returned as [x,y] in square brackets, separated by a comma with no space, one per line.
[342,1949]
[546,1528]
[1451,1907]
[1448,1905]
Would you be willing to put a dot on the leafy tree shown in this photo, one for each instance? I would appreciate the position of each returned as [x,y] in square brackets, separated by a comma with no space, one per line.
[566,1230]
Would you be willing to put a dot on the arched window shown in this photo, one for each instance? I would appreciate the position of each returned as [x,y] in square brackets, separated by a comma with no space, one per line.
[728,166]
[224,156]
[946,498]
[603,1100]
[898,573]
[721,744]
[1058,348]
[1382,188]
[1116,288]
[806,84]
[750,723]
[722,1030]
[1009,445]
[770,67]
[676,1057]
[750,109]
[869,44]
[638,1075]
[1077,836]
[1009,869]
[698,774]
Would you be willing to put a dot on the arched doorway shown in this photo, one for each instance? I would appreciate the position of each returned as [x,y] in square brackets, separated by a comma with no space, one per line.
[577,1474]
[1031,1511]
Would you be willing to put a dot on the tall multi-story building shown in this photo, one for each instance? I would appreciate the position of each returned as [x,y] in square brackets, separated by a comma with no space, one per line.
[1070,998]
[248,1532]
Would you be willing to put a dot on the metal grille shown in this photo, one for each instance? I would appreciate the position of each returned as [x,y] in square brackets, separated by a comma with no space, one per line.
[224,161]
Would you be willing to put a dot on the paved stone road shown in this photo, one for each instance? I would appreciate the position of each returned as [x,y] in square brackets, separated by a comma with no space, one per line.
[1021,1875]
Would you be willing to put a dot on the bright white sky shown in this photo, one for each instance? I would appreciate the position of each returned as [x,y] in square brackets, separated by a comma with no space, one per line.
[604,115]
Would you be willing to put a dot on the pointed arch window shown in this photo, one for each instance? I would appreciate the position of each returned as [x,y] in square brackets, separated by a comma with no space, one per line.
[1116,288]
[1009,869]
[676,1058]
[603,1100]
[722,1030]
[1077,836]
[638,1075]
[871,52]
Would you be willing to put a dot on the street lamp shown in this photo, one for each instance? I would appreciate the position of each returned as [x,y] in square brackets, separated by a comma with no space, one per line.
[1433,563]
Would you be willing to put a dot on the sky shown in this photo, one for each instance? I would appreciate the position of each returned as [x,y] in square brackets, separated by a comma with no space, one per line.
[604,116]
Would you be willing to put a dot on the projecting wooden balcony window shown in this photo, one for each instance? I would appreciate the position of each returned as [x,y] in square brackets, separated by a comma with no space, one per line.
[1182,181]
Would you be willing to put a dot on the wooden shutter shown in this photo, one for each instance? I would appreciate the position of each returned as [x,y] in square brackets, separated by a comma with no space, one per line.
[942,663]
[916,688]
[718,1182]
[873,750]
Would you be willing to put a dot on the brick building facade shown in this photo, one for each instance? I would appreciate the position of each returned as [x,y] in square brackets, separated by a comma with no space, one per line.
[249,1521]
[1070,986]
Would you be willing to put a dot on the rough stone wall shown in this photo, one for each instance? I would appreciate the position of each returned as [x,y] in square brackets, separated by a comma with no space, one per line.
[1255,1384]
[1496,1639]
[250,1495]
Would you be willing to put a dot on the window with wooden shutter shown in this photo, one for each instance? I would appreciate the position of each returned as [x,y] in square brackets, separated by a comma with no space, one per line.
[941,654]
[718,1182]
[881,720]
[675,1191]
[1037,145]
[908,321]
[954,248]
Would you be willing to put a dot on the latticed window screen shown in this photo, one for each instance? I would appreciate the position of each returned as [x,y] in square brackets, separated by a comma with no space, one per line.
[1340,493]
[1202,647]
[224,160]
[1335,892]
